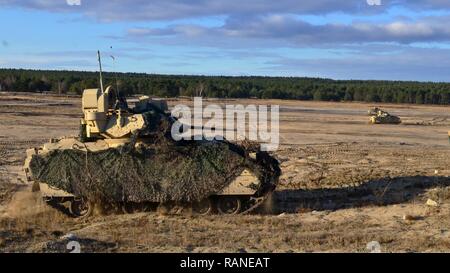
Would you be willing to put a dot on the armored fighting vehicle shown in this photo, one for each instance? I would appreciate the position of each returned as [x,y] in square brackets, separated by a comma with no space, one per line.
[125,157]
[378,116]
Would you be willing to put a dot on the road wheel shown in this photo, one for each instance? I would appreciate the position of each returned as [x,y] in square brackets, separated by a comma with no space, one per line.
[228,205]
[164,208]
[203,207]
[130,208]
[81,208]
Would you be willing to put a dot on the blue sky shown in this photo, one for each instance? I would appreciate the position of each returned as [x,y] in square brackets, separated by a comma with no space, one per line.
[340,39]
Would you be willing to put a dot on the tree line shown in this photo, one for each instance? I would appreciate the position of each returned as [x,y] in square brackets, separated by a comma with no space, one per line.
[301,88]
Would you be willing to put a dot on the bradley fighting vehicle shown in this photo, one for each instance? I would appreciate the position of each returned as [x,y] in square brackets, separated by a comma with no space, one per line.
[125,158]
[378,116]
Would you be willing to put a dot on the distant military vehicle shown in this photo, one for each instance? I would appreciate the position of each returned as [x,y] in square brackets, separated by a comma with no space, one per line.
[378,116]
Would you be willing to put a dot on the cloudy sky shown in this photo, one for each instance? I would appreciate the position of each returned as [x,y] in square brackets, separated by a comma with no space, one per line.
[341,39]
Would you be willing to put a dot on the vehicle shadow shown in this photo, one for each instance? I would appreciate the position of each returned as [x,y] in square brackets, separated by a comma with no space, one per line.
[380,192]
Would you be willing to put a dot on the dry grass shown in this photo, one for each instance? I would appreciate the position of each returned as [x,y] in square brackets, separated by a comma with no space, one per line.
[440,194]
[291,233]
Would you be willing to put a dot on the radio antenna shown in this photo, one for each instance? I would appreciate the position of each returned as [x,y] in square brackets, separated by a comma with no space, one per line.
[100,64]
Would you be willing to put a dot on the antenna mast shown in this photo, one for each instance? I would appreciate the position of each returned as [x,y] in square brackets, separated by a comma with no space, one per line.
[100,64]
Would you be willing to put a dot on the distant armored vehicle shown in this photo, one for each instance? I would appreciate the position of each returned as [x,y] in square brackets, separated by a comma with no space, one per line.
[378,116]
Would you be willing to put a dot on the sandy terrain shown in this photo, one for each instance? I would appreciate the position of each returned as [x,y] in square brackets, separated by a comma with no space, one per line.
[345,183]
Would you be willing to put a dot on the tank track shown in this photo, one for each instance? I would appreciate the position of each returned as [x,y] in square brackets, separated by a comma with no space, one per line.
[64,205]
[247,205]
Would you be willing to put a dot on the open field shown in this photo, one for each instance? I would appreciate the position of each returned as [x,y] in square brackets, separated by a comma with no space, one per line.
[345,183]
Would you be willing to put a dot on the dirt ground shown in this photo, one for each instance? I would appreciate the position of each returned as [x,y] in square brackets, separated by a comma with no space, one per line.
[345,183]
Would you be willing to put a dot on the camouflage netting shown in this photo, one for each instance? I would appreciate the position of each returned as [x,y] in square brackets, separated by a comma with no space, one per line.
[159,171]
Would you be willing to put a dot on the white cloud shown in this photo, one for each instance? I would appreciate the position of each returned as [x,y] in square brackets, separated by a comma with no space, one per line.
[374,2]
[73,2]
[143,10]
[290,31]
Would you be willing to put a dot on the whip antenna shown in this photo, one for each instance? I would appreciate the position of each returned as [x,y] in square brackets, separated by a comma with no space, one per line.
[100,64]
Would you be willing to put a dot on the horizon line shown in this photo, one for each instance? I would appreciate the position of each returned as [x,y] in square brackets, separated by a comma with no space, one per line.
[223,75]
